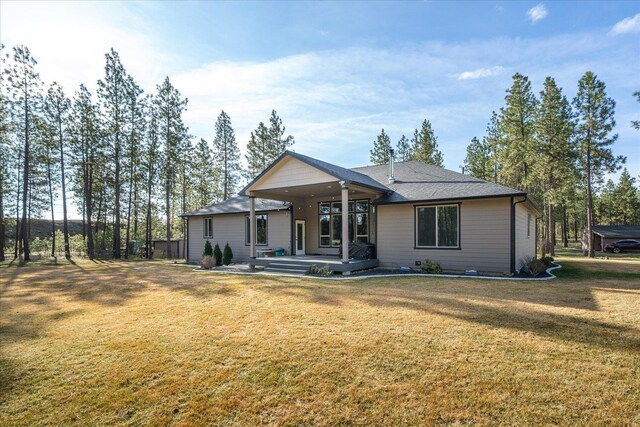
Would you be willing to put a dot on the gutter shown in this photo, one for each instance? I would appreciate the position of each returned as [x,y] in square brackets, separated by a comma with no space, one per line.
[513,232]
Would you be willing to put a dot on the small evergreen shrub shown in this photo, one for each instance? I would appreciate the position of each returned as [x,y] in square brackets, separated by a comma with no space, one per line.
[217,254]
[208,250]
[207,262]
[227,255]
[431,267]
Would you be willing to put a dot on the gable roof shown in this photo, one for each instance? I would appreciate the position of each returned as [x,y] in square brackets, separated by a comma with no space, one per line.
[417,181]
[618,231]
[238,204]
[349,176]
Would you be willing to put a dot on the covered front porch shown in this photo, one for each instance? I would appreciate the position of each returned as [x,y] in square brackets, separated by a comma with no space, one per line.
[330,208]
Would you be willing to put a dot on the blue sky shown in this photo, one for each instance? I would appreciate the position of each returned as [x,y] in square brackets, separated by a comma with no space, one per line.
[338,72]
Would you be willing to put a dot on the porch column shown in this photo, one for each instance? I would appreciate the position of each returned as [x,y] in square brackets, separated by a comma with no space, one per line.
[345,223]
[252,230]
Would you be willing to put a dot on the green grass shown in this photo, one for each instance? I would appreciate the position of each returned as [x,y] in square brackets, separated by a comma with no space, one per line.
[147,343]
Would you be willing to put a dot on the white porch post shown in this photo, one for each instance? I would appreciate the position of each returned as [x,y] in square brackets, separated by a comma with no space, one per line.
[345,224]
[252,230]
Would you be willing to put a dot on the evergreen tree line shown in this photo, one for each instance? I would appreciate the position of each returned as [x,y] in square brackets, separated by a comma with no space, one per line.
[124,157]
[423,146]
[559,151]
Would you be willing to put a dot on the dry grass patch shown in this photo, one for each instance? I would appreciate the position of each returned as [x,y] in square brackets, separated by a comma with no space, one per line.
[148,343]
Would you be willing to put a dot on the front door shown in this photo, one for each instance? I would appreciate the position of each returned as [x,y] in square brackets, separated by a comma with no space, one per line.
[300,236]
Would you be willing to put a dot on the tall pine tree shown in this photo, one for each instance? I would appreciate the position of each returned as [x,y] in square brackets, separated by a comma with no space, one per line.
[172,133]
[404,151]
[478,161]
[555,169]
[380,151]
[226,155]
[517,127]
[595,113]
[112,93]
[425,145]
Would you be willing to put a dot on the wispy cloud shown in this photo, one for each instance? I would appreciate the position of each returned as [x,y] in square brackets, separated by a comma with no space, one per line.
[537,13]
[630,24]
[481,73]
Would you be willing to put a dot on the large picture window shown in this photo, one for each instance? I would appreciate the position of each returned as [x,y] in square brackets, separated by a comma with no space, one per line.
[208,228]
[262,221]
[330,222]
[437,226]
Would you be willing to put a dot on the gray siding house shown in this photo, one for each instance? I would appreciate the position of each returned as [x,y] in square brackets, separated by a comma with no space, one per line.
[409,211]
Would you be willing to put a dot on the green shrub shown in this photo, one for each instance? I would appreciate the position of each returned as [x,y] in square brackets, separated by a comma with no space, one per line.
[208,250]
[431,267]
[227,255]
[217,254]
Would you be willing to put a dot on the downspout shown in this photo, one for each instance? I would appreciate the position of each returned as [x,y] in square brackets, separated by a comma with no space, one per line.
[186,240]
[513,232]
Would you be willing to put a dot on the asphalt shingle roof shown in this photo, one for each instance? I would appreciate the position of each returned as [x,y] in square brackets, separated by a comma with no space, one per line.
[618,231]
[414,182]
[238,204]
[417,181]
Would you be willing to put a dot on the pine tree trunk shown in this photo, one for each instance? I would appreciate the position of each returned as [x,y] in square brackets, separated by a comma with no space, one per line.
[168,213]
[53,219]
[25,184]
[116,222]
[2,225]
[148,219]
[552,231]
[17,247]
[135,211]
[590,249]
[88,196]
[565,226]
[128,235]
[65,223]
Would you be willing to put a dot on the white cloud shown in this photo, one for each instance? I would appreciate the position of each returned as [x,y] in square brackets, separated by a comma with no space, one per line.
[537,13]
[630,24]
[69,41]
[481,73]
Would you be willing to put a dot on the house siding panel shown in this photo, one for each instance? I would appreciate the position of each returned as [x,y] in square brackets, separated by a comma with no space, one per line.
[484,237]
[231,228]
[525,246]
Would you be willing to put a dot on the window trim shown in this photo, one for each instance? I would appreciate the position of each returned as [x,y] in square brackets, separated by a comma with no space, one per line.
[528,225]
[439,248]
[246,232]
[205,229]
[353,214]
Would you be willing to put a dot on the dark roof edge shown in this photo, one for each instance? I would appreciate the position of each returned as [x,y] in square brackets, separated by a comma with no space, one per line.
[450,199]
[188,214]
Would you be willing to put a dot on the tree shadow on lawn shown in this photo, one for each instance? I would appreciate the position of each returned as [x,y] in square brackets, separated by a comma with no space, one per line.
[456,302]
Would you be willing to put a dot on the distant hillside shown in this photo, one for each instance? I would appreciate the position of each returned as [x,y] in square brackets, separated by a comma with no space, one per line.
[42,228]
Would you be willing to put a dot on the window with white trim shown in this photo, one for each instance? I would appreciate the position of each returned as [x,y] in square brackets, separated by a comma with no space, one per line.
[261,229]
[528,225]
[208,228]
[437,226]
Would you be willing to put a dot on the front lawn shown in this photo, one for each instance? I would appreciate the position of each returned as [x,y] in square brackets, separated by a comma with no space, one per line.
[147,343]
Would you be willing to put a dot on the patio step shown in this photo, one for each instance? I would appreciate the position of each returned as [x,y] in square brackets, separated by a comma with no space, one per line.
[292,267]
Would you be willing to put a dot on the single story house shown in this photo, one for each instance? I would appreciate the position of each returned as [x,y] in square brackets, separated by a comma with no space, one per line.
[410,211]
[605,234]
